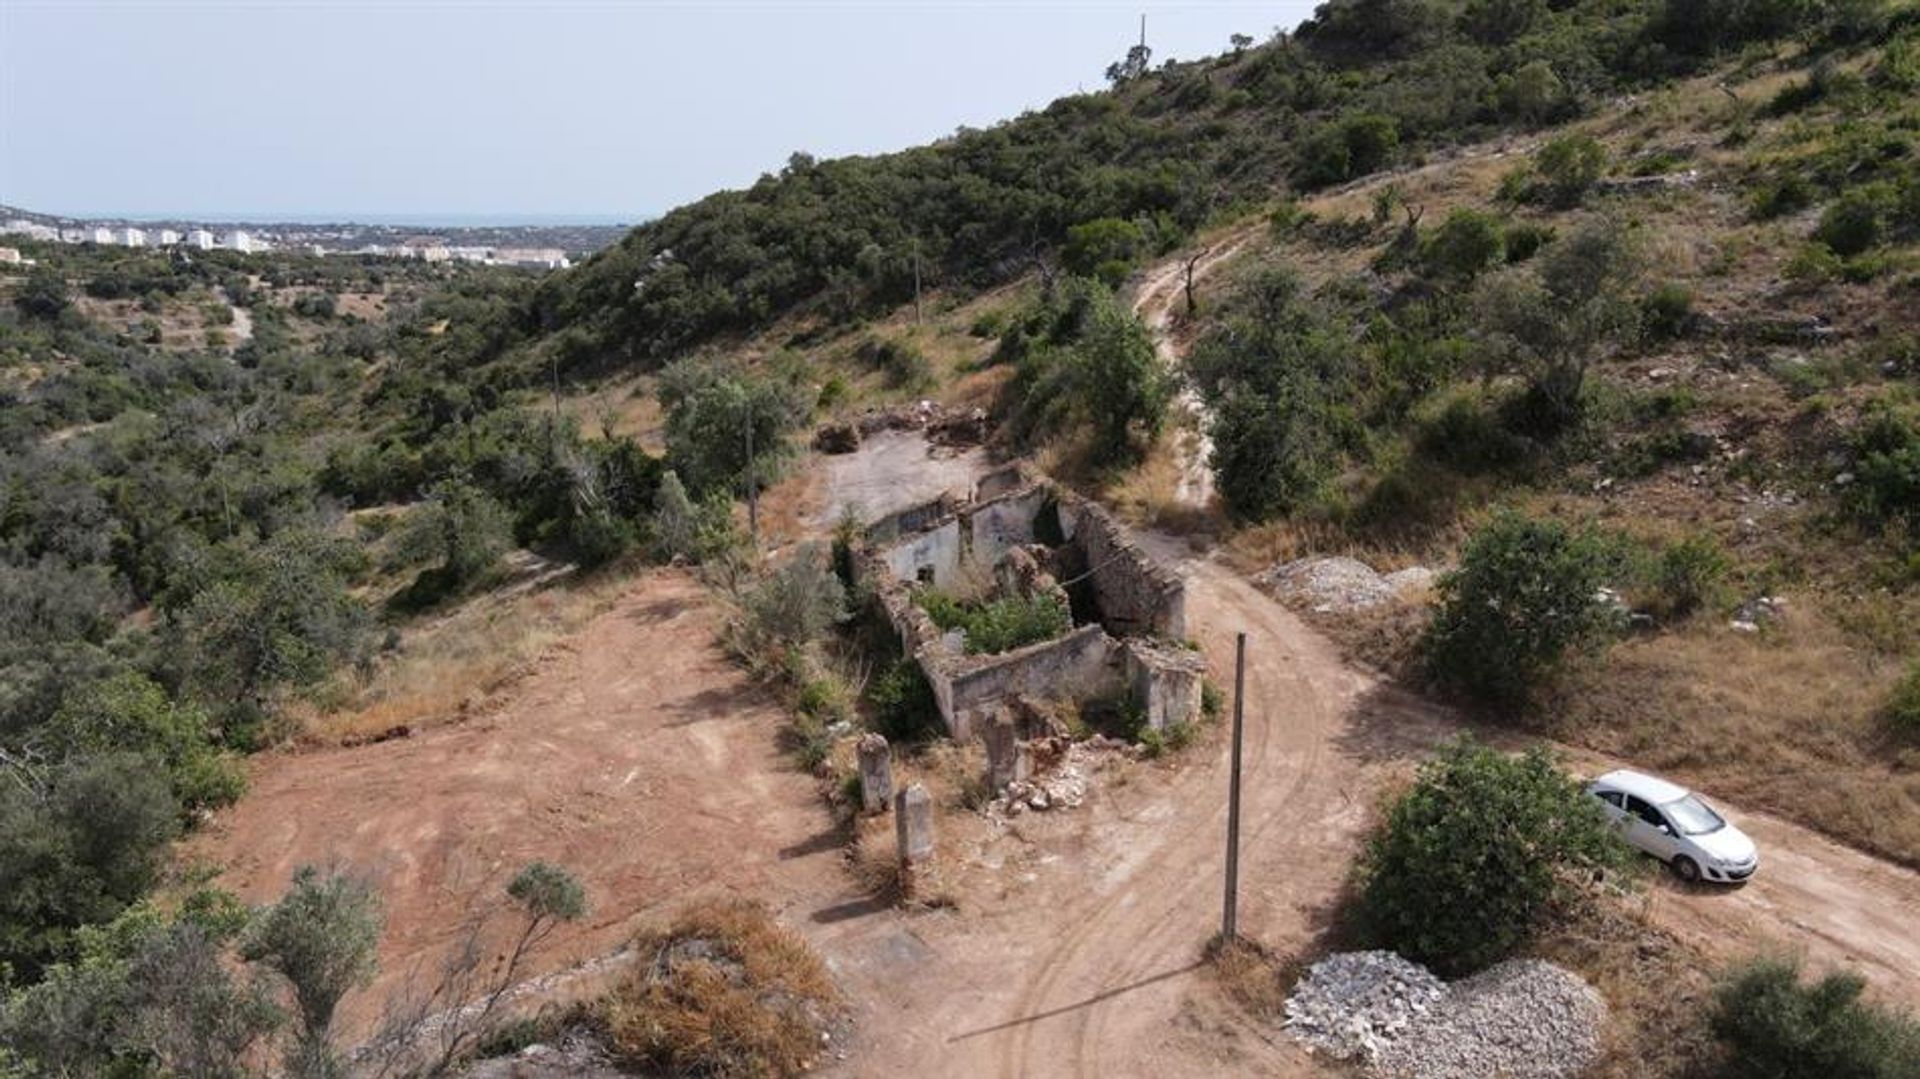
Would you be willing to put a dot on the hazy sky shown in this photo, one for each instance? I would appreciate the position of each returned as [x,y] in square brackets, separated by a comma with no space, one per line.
[614,110]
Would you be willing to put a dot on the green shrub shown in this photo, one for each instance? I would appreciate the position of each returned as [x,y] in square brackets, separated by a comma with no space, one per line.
[1777,1027]
[1668,312]
[997,625]
[903,704]
[1526,593]
[1688,576]
[1468,861]
[1524,239]
[1853,223]
[1466,243]
[1104,248]
[903,364]
[1887,464]
[793,604]
[1902,710]
[1814,264]
[1787,195]
[1568,167]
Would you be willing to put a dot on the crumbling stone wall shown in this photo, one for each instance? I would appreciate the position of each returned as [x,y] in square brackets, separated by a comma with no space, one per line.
[1135,596]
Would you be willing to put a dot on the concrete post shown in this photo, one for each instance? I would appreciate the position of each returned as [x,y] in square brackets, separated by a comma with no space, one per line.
[1004,757]
[913,824]
[876,773]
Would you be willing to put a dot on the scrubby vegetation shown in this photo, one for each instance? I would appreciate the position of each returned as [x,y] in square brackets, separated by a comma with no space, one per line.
[725,990]
[1776,1026]
[1470,860]
[999,623]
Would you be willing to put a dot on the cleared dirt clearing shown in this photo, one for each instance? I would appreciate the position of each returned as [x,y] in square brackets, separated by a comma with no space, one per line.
[638,756]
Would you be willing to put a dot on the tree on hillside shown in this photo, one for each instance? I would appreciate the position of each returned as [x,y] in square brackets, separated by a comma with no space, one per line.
[718,413]
[321,937]
[1525,594]
[1554,322]
[1474,854]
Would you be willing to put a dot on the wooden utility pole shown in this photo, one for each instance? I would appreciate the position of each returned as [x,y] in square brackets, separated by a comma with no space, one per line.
[916,280]
[753,485]
[1230,917]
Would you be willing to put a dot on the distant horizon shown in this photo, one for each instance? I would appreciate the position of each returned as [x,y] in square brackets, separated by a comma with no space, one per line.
[504,219]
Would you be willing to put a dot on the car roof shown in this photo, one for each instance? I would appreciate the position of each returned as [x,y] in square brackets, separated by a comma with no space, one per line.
[1645,787]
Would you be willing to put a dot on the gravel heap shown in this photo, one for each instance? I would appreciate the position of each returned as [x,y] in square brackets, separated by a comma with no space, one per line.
[1523,1019]
[1338,584]
[1352,1004]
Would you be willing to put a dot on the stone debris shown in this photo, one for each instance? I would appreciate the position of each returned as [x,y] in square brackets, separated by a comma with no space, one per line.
[1061,775]
[1757,612]
[1352,1004]
[1339,584]
[1522,1019]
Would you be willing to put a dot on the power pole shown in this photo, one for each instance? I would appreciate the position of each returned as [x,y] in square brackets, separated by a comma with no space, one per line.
[753,485]
[1230,917]
[916,280]
[1143,29]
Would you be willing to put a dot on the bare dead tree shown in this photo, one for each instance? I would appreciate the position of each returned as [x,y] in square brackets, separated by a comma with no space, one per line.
[1193,304]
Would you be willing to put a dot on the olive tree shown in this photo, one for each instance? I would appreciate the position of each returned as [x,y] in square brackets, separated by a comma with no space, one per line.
[321,937]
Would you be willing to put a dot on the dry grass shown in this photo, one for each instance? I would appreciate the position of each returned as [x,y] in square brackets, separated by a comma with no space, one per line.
[726,991]
[446,667]
[1658,989]
[1253,977]
[1782,721]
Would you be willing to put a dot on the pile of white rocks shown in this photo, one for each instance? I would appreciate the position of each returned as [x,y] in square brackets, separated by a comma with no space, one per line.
[1351,1005]
[1338,585]
[1523,1019]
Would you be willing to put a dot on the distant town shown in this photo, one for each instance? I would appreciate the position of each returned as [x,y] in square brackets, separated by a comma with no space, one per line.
[532,246]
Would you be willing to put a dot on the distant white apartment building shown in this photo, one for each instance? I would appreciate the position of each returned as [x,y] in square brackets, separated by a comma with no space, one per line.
[163,237]
[238,240]
[551,258]
[101,235]
[8,254]
[133,237]
[200,239]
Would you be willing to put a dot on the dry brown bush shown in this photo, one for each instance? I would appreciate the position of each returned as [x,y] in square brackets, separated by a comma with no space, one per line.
[725,991]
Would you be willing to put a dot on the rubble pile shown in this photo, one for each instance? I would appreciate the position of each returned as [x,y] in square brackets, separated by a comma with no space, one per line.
[1352,1004]
[1339,584]
[1062,771]
[1525,1019]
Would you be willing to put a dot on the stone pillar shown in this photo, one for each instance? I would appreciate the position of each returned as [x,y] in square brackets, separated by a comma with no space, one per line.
[913,824]
[1007,759]
[876,773]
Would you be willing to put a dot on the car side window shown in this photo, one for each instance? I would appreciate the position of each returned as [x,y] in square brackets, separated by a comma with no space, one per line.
[1645,812]
[1612,798]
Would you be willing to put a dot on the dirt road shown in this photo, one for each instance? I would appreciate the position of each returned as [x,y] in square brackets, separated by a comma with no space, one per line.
[639,756]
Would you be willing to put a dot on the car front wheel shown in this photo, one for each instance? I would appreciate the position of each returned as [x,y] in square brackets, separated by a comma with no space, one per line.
[1686,869]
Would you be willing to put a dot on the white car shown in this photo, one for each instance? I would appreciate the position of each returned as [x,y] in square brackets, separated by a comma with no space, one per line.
[1674,825]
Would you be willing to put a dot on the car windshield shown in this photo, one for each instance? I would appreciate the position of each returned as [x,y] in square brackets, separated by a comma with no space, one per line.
[1693,817]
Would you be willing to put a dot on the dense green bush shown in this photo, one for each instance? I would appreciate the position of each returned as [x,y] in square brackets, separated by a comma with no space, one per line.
[1083,362]
[1525,594]
[903,704]
[1668,311]
[1465,244]
[1687,576]
[1469,860]
[1001,624]
[1569,166]
[1777,1027]
[1104,249]
[1854,222]
[1902,710]
[715,409]
[129,713]
[1886,451]
[904,365]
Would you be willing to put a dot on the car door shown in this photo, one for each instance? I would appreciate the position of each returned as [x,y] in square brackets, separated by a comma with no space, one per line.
[1649,830]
